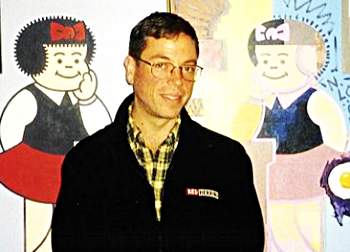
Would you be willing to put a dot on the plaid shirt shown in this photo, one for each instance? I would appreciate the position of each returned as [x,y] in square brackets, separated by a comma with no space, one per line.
[157,164]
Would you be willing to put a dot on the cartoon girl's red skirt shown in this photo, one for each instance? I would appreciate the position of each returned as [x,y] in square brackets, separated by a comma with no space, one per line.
[31,173]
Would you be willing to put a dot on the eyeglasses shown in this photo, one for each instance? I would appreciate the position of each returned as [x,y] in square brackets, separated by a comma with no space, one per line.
[163,70]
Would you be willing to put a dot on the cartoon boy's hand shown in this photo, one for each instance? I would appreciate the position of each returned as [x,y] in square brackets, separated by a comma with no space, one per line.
[87,86]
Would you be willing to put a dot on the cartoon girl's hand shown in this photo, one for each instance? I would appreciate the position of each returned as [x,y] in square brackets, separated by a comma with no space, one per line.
[87,86]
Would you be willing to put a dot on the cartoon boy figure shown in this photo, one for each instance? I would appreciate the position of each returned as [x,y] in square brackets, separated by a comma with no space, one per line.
[307,124]
[44,120]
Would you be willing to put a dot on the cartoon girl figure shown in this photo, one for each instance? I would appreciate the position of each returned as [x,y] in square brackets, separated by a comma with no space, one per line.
[307,124]
[44,120]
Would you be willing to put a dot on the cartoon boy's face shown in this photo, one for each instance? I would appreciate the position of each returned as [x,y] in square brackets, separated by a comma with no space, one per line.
[65,67]
[278,70]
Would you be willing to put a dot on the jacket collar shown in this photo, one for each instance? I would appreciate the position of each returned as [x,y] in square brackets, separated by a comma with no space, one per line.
[187,131]
[121,117]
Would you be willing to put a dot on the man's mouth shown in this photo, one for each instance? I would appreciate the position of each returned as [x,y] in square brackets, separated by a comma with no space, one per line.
[172,97]
[66,76]
[275,77]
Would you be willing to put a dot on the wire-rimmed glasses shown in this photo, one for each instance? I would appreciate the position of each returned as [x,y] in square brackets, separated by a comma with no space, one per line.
[164,69]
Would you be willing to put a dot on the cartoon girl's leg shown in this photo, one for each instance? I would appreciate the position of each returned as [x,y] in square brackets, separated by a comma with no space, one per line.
[295,226]
[11,221]
[46,245]
[309,222]
[37,226]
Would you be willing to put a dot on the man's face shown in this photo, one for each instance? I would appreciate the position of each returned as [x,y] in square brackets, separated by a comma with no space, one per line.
[65,67]
[162,98]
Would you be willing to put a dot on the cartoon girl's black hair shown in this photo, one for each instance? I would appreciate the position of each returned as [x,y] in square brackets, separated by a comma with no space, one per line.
[29,51]
[252,42]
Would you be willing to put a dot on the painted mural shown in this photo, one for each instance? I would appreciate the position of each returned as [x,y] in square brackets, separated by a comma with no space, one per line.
[291,99]
[328,19]
[276,78]
[50,99]
[58,109]
[0,42]
[287,55]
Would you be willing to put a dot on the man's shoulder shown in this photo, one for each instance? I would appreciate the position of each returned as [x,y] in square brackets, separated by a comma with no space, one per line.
[209,137]
[96,143]
[227,155]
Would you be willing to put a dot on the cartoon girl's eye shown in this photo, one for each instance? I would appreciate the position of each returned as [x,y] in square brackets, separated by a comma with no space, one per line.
[76,61]
[265,62]
[59,61]
[283,61]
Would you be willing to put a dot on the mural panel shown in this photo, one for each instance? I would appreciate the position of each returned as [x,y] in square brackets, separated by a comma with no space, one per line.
[275,78]
[290,93]
[0,43]
[326,18]
[51,98]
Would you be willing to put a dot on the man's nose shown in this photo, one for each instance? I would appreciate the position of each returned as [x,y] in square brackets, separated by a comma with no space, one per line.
[176,75]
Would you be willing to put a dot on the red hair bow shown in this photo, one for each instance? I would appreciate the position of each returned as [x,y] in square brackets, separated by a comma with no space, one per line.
[61,32]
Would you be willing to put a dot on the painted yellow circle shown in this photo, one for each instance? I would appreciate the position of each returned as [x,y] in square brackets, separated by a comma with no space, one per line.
[339,180]
[345,179]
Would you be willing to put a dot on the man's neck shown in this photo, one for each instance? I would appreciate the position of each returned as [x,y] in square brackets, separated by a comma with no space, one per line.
[154,129]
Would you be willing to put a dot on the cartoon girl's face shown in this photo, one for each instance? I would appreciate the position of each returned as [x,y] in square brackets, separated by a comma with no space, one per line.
[65,66]
[278,70]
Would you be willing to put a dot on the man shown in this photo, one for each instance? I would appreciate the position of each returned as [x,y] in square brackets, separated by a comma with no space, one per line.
[154,180]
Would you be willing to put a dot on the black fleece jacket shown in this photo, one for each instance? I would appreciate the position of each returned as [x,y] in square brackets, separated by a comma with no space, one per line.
[208,204]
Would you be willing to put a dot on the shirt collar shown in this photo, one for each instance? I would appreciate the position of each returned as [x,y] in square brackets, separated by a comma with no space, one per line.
[56,96]
[135,135]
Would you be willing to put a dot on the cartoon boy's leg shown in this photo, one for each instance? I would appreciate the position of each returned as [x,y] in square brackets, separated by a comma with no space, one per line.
[11,221]
[37,226]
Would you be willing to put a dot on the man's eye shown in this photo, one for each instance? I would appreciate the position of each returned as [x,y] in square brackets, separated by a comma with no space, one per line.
[59,61]
[76,61]
[189,69]
[160,65]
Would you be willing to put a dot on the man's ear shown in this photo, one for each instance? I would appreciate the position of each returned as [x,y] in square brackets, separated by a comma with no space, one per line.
[130,67]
